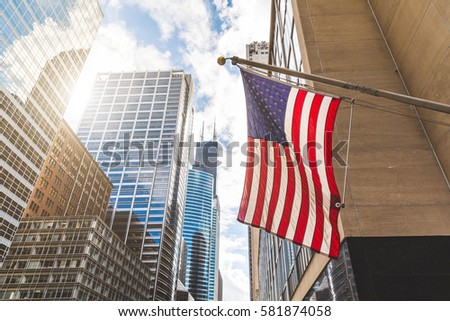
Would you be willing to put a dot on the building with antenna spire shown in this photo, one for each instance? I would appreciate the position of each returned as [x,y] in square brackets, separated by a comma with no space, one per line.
[201,223]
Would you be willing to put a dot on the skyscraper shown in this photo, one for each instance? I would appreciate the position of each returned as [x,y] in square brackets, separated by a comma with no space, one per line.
[198,234]
[206,153]
[44,47]
[396,221]
[137,126]
[201,223]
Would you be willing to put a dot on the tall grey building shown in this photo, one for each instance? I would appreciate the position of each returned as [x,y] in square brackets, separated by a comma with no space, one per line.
[137,126]
[44,45]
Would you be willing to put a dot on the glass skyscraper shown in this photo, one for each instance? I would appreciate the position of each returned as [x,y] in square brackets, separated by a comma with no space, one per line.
[201,224]
[215,291]
[198,234]
[137,126]
[43,46]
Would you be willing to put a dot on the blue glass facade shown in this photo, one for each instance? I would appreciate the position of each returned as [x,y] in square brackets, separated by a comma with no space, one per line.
[43,47]
[214,292]
[199,233]
[135,125]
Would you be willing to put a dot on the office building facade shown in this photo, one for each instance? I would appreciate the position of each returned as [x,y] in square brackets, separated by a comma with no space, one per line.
[44,47]
[395,224]
[258,51]
[71,182]
[71,258]
[137,126]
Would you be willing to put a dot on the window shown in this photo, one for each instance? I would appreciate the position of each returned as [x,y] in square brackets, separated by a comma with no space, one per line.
[62,200]
[52,162]
[49,203]
[43,183]
[57,181]
[34,207]
[38,194]
[59,211]
[47,172]
[53,192]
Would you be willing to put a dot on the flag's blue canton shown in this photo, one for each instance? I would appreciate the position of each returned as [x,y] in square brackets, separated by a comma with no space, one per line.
[266,107]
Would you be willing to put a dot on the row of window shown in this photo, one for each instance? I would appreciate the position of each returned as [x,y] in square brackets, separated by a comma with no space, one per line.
[25,147]
[8,205]
[20,166]
[15,186]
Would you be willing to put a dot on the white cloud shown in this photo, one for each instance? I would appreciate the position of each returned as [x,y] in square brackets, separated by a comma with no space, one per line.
[188,19]
[115,49]
[233,266]
[235,285]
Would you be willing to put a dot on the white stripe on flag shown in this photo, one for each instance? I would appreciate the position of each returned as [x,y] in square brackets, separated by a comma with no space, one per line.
[290,113]
[255,182]
[304,121]
[269,185]
[320,156]
[297,202]
[282,195]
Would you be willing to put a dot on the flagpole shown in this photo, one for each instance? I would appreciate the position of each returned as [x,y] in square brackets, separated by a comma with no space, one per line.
[419,102]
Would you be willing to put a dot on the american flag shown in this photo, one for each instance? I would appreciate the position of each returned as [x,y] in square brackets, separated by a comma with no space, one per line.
[289,188]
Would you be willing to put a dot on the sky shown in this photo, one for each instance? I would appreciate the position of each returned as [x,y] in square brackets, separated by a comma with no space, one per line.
[190,35]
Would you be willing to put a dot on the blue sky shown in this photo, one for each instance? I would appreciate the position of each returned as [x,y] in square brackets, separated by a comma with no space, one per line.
[190,35]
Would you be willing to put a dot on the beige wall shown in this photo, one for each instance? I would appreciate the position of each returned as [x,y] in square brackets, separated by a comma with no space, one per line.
[418,34]
[395,185]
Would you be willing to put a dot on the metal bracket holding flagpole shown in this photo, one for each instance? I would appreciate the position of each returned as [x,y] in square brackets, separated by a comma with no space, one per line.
[419,102]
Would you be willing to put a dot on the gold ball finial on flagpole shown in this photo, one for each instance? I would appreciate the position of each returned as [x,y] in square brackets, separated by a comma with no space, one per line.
[221,60]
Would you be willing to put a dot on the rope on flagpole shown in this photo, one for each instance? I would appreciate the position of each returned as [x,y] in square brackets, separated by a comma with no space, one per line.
[344,191]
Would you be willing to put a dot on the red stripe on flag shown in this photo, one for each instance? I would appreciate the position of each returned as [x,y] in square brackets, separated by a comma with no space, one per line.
[290,192]
[312,126]
[304,208]
[248,180]
[329,125]
[276,186]
[262,184]
[296,117]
